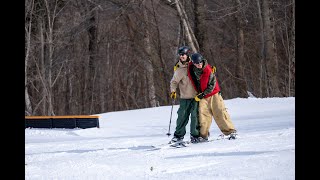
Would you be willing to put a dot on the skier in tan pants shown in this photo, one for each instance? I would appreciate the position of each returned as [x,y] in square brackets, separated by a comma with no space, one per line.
[210,100]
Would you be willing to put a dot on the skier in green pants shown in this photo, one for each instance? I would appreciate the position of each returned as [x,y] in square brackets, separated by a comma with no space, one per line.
[188,106]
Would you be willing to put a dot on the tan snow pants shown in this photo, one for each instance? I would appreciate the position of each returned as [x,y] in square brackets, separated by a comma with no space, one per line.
[214,106]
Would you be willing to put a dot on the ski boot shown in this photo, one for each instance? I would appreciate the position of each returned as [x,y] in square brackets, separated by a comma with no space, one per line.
[233,135]
[175,139]
[194,139]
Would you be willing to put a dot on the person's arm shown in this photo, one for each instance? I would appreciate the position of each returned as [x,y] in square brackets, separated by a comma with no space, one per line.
[176,78]
[211,84]
[209,89]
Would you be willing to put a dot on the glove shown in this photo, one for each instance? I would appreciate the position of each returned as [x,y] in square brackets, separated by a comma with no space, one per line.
[198,97]
[173,95]
[214,69]
[175,67]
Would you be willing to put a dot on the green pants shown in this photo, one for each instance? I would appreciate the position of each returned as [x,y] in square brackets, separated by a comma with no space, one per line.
[187,108]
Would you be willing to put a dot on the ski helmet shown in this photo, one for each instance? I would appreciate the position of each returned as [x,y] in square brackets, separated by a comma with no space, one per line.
[184,50]
[196,58]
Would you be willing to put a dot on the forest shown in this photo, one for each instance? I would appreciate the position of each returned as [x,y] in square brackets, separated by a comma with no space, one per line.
[86,57]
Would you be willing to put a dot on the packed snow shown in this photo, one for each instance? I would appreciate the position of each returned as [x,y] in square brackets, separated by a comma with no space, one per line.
[133,145]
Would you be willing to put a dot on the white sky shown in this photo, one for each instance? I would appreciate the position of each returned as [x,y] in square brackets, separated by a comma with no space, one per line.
[121,148]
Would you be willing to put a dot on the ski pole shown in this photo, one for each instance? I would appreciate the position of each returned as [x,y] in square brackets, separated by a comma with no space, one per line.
[170,118]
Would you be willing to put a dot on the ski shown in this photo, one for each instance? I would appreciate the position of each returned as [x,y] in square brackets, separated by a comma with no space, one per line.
[220,137]
[182,144]
[169,145]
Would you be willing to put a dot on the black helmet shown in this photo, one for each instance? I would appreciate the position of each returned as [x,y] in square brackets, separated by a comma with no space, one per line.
[184,50]
[196,58]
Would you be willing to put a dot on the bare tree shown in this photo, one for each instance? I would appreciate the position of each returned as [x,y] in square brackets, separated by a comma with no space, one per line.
[91,14]
[28,26]
[149,60]
[88,57]
[240,22]
[163,64]
[292,58]
[192,41]
[200,24]
[270,54]
[263,86]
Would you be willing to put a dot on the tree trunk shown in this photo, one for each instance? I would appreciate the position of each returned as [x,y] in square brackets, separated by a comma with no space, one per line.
[292,60]
[28,105]
[42,70]
[262,77]
[164,67]
[270,56]
[242,90]
[68,93]
[149,67]
[189,33]
[92,48]
[50,44]
[200,23]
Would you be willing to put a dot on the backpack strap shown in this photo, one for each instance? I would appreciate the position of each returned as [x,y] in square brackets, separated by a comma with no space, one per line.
[176,66]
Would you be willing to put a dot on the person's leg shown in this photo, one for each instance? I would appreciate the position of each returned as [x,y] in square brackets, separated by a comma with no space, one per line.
[182,119]
[221,115]
[194,124]
[205,117]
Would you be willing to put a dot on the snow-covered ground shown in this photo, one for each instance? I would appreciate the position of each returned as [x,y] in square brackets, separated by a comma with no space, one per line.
[121,149]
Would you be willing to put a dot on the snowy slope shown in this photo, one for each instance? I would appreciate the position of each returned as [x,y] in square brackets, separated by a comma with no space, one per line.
[121,147]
